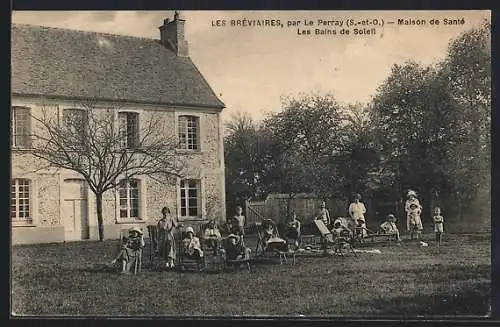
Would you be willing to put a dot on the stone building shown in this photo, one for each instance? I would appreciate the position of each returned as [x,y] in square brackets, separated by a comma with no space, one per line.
[55,68]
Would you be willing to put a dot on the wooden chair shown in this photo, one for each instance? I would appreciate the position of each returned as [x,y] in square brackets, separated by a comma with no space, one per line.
[373,236]
[337,243]
[156,258]
[261,249]
[138,253]
[184,261]
[236,263]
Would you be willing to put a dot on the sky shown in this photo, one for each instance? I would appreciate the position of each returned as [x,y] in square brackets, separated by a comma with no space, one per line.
[251,68]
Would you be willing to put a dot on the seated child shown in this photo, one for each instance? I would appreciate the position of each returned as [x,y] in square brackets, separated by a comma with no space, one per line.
[234,249]
[212,236]
[130,249]
[191,245]
[340,228]
[269,230]
[389,227]
[293,230]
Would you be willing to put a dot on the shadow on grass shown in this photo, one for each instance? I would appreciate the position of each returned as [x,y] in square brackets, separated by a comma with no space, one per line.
[101,268]
[470,301]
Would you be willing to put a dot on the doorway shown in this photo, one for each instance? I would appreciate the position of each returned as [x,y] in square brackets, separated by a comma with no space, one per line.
[75,213]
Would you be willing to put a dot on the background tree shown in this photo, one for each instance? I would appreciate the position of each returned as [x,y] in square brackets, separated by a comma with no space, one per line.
[88,141]
[305,134]
[467,72]
[246,157]
[433,124]
[426,128]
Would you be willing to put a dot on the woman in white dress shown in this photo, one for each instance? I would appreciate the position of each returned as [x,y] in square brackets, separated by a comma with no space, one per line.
[357,212]
[413,210]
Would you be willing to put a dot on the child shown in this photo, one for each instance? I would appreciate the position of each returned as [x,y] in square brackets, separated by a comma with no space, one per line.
[293,230]
[269,229]
[340,228]
[212,235]
[323,214]
[129,251]
[389,227]
[413,210]
[438,225]
[238,222]
[357,212]
[192,246]
[234,249]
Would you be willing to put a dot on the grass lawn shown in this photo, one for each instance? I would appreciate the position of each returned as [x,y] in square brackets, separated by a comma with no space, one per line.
[76,279]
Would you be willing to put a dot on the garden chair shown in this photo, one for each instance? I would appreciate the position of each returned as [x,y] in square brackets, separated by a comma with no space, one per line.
[337,243]
[154,237]
[124,233]
[373,235]
[185,262]
[262,250]
[207,243]
[236,263]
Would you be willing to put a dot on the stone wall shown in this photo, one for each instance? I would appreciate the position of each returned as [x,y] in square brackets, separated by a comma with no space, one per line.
[205,165]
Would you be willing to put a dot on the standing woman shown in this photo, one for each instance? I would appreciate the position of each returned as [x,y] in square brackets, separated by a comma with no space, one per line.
[166,240]
[413,210]
[357,212]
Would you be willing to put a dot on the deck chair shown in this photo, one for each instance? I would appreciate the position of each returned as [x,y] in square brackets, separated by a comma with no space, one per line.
[155,257]
[337,243]
[235,263]
[207,243]
[138,254]
[262,250]
[373,235]
[185,262]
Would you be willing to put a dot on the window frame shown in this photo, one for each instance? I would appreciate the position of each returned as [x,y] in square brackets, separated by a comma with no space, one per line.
[126,136]
[14,123]
[183,185]
[17,220]
[129,200]
[183,132]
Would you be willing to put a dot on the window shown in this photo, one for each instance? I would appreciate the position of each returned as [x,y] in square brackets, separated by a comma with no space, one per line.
[74,120]
[190,198]
[21,127]
[129,129]
[129,199]
[189,133]
[20,201]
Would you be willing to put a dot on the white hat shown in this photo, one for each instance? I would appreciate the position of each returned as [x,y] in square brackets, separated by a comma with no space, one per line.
[135,229]
[410,193]
[189,230]
[236,237]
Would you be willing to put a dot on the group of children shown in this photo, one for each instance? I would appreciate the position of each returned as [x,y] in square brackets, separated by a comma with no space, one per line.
[233,246]
[356,222]
[230,248]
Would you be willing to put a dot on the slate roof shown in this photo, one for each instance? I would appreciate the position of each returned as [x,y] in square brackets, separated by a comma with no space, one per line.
[56,62]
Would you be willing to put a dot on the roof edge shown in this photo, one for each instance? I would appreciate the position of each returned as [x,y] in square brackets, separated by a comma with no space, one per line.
[62,97]
[208,84]
[21,25]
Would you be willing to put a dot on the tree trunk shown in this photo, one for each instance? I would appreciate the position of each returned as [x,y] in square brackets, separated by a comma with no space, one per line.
[100,222]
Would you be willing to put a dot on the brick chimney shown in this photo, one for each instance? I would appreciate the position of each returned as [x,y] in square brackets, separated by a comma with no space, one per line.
[172,35]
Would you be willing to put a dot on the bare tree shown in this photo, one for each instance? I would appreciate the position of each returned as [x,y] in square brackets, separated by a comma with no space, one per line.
[88,141]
